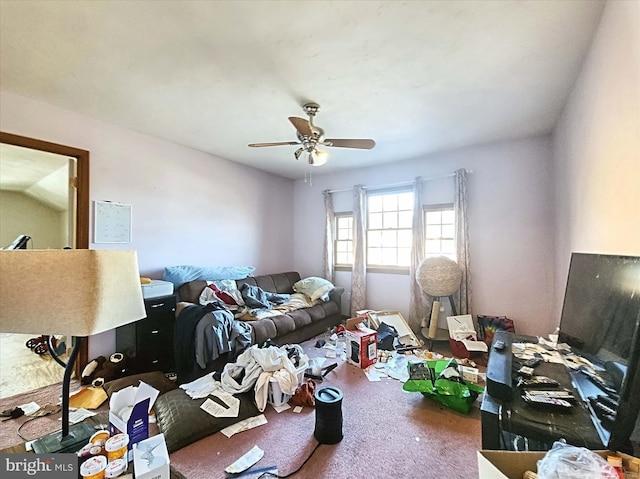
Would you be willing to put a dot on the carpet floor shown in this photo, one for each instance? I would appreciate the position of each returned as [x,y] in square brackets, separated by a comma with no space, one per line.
[23,370]
[388,433]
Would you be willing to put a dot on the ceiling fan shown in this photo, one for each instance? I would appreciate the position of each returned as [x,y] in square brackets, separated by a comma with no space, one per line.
[310,137]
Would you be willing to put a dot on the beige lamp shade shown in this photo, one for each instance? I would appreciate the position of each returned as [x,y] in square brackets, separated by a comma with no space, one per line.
[439,276]
[72,292]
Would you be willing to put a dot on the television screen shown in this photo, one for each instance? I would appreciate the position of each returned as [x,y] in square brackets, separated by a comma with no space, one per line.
[601,306]
[600,321]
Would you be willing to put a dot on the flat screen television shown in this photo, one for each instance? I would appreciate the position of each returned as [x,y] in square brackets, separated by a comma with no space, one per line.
[601,322]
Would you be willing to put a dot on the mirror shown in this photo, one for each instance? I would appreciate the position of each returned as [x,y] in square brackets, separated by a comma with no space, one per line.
[50,182]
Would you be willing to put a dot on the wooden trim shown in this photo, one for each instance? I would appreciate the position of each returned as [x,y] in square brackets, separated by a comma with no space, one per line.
[82,202]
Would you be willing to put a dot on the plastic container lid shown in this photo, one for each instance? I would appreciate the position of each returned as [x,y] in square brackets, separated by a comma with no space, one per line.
[93,466]
[115,468]
[328,394]
[117,442]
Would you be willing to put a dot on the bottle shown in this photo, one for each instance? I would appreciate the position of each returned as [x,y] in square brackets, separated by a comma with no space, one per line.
[616,463]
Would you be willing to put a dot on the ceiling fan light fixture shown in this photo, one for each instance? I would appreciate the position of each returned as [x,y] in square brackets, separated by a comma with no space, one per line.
[320,157]
[297,153]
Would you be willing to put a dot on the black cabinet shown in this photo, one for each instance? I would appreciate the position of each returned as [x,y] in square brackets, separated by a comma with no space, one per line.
[148,343]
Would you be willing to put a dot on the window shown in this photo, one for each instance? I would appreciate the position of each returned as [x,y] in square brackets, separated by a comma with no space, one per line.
[344,240]
[439,231]
[389,221]
[389,232]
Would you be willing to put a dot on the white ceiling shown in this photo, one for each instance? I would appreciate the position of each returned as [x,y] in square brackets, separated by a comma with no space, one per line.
[416,76]
[38,174]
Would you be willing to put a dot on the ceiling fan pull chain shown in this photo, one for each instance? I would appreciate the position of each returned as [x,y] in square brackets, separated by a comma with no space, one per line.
[307,177]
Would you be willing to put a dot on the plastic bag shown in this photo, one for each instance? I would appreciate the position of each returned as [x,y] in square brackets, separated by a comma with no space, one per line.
[441,381]
[563,461]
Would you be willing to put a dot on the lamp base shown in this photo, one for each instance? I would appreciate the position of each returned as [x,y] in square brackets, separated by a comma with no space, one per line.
[79,435]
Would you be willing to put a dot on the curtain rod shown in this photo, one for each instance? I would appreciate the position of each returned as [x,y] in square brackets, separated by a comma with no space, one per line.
[393,185]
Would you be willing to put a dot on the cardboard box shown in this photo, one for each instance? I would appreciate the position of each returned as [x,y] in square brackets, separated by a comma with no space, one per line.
[137,401]
[463,338]
[362,343]
[511,465]
[469,374]
[151,458]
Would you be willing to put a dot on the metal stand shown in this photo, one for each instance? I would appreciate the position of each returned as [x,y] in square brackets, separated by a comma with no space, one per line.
[432,332]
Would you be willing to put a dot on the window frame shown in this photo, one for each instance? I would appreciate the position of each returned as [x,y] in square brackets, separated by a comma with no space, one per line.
[402,270]
[439,207]
[336,265]
[386,269]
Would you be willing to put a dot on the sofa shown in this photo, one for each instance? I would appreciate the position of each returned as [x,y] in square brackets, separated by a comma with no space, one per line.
[294,327]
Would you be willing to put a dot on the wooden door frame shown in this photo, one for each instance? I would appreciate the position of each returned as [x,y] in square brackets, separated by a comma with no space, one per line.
[82,202]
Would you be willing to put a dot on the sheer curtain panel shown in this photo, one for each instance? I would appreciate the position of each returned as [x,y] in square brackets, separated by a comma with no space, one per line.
[462,239]
[329,235]
[359,272]
[417,303]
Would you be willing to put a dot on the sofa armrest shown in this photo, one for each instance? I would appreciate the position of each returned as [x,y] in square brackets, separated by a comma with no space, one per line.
[336,297]
[191,291]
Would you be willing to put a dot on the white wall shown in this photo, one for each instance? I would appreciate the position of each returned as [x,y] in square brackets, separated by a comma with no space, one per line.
[597,147]
[188,207]
[22,214]
[510,227]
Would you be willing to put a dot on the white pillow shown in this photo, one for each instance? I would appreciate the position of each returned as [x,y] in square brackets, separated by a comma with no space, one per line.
[314,287]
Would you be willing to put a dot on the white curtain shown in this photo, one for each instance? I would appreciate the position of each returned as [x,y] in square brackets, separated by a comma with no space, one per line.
[329,235]
[359,272]
[417,302]
[462,245]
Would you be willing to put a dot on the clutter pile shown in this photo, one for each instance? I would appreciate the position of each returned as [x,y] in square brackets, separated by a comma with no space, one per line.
[105,455]
[442,381]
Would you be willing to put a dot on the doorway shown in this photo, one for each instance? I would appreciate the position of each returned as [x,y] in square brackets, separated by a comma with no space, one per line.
[31,157]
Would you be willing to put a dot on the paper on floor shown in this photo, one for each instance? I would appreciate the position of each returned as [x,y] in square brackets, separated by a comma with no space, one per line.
[372,374]
[244,425]
[218,410]
[79,414]
[282,407]
[246,461]
[201,387]
[29,408]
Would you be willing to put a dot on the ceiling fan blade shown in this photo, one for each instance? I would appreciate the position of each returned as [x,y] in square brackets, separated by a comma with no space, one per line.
[302,125]
[361,144]
[279,143]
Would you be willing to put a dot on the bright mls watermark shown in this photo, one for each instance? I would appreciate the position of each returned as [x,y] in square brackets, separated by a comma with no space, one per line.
[49,466]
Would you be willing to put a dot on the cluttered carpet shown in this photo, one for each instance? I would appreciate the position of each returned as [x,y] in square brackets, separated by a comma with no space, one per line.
[388,433]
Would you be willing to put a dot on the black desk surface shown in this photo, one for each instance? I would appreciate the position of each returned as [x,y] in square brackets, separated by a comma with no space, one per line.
[516,417]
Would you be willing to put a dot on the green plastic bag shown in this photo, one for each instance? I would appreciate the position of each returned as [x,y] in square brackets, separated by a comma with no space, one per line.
[440,380]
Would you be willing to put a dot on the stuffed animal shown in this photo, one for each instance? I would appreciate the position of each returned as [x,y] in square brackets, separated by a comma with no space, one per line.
[102,370]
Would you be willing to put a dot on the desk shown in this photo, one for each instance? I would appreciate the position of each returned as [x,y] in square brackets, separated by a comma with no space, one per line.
[515,417]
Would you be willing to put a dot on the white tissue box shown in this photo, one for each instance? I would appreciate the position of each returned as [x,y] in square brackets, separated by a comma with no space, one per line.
[156,289]
[151,459]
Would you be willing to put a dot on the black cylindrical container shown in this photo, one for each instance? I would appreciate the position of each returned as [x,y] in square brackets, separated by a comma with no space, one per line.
[328,415]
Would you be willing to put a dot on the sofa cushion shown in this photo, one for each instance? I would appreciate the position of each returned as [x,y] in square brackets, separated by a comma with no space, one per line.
[183,422]
[280,283]
[155,379]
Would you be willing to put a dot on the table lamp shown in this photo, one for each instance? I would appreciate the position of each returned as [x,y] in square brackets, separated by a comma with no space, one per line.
[76,293]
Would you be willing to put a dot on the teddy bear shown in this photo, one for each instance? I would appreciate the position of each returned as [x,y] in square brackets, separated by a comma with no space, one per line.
[102,370]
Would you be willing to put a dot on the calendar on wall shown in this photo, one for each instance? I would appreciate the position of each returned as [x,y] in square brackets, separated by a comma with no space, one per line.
[112,222]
